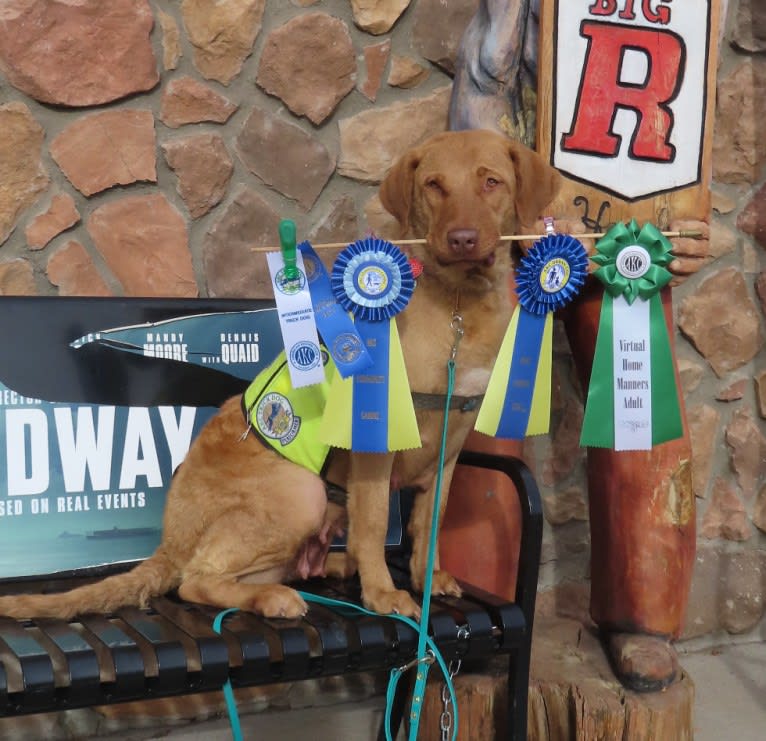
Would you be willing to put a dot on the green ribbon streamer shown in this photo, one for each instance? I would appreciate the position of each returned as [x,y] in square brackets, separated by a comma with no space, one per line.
[598,423]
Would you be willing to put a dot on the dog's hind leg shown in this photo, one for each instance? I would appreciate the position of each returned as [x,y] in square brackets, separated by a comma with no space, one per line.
[246,551]
[269,600]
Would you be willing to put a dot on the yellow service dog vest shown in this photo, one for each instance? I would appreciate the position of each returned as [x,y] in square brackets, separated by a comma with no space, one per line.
[288,419]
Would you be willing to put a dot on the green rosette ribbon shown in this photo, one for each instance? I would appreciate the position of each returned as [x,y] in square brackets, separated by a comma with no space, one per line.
[632,401]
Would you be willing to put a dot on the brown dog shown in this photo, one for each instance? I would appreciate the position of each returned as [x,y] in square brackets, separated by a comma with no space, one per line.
[240,519]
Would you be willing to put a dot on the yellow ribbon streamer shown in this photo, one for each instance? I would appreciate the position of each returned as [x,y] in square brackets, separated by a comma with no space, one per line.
[540,411]
[403,433]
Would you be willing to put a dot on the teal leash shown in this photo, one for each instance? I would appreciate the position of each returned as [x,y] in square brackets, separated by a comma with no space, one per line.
[228,692]
[428,652]
[421,677]
[434,655]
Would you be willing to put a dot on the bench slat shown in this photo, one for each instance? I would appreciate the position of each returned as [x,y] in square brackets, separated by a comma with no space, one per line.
[76,669]
[336,634]
[207,652]
[122,666]
[253,648]
[34,681]
[296,659]
[162,638]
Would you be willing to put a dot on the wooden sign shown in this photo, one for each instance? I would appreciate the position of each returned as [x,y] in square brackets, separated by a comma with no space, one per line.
[626,92]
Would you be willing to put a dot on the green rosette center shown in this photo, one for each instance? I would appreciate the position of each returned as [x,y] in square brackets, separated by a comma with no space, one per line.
[618,279]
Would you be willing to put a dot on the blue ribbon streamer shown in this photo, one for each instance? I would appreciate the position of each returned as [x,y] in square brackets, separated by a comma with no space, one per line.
[548,277]
[369,423]
[373,280]
[517,405]
[334,324]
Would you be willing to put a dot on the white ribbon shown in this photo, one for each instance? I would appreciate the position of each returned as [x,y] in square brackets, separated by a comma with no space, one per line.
[632,375]
[297,322]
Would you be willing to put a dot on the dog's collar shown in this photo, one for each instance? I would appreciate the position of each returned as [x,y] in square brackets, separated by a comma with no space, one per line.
[436,401]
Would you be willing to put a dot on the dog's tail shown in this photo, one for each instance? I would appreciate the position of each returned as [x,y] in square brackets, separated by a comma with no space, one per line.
[150,578]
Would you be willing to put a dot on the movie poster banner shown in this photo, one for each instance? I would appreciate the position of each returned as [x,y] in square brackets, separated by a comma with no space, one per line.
[95,419]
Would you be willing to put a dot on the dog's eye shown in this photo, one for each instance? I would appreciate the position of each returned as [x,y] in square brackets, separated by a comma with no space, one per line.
[434,185]
[491,183]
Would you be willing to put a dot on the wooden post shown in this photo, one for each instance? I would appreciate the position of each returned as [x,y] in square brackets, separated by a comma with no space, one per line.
[625,92]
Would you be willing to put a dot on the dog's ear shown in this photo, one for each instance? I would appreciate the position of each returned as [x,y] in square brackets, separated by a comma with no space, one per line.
[537,183]
[397,189]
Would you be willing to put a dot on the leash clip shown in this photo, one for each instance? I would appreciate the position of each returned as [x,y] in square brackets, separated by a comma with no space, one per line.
[429,658]
[456,325]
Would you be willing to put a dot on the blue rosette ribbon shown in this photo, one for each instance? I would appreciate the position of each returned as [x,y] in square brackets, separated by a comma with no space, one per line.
[518,398]
[372,411]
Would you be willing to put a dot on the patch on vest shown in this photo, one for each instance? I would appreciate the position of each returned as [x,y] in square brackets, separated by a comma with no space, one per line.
[275,419]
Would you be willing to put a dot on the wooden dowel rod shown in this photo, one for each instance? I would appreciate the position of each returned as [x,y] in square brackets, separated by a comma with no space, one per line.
[511,238]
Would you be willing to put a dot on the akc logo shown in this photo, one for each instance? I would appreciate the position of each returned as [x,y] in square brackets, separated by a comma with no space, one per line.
[305,355]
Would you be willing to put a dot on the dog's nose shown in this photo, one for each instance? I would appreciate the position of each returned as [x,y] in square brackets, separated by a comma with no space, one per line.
[462,241]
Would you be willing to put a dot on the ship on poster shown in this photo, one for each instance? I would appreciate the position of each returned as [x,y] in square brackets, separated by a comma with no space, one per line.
[83,485]
[630,93]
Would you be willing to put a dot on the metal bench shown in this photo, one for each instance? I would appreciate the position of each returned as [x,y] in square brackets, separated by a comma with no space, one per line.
[171,648]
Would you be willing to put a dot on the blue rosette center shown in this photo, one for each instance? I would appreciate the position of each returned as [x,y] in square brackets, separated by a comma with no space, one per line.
[373,279]
[551,273]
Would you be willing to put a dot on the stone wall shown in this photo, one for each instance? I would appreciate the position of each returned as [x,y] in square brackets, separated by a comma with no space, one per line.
[147,146]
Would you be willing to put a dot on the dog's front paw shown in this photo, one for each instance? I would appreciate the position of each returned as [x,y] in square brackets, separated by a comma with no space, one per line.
[386,601]
[278,601]
[442,583]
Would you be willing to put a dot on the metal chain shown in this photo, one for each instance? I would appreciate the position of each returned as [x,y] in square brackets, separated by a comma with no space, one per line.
[445,720]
